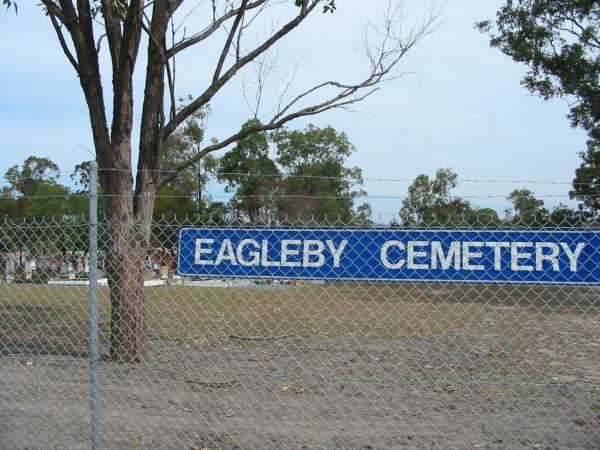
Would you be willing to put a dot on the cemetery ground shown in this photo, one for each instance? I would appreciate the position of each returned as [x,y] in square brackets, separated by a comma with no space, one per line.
[316,366]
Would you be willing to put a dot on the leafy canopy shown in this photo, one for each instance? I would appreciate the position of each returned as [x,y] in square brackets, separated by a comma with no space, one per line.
[313,162]
[559,42]
[35,172]
[430,203]
[249,172]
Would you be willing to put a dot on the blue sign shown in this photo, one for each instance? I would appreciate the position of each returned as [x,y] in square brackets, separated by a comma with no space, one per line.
[480,256]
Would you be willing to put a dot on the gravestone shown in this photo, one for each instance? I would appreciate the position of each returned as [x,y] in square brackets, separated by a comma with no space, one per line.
[10,268]
[28,268]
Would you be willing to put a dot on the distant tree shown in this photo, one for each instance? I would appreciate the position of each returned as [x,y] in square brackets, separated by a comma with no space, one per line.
[364,215]
[183,145]
[78,204]
[215,213]
[484,217]
[316,178]
[559,41]
[34,191]
[173,203]
[564,216]
[586,185]
[9,206]
[50,202]
[251,174]
[92,33]
[526,210]
[430,203]
[81,176]
[35,172]
[427,198]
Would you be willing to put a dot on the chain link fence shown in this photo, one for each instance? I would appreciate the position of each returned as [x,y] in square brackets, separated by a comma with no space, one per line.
[268,362]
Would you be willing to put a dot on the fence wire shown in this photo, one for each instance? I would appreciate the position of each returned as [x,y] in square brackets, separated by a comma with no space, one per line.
[269,363]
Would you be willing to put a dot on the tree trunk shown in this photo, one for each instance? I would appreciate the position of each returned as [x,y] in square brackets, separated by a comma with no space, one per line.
[131,212]
[125,260]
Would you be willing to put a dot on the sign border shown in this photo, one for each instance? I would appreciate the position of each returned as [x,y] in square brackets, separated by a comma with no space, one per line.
[386,280]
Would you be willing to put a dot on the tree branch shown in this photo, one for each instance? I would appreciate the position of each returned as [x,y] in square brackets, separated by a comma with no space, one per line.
[229,40]
[112,23]
[62,41]
[123,71]
[53,8]
[383,59]
[209,93]
[317,109]
[199,37]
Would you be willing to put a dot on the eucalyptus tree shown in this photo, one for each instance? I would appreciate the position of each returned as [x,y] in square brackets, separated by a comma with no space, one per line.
[90,30]
[559,43]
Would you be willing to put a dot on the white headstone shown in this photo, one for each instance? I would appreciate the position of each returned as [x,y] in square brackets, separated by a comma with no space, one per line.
[28,269]
[10,267]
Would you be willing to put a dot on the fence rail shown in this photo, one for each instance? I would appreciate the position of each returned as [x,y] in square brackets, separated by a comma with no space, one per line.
[277,362]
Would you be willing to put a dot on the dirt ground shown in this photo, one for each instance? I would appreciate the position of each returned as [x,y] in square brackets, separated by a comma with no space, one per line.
[316,366]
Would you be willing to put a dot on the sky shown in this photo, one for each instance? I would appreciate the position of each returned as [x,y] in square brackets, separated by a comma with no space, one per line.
[458,104]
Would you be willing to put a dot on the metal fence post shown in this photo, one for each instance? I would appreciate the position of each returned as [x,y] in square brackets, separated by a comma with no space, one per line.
[93,292]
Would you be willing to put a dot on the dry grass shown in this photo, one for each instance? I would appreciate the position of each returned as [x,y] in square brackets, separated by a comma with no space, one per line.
[375,365]
[552,330]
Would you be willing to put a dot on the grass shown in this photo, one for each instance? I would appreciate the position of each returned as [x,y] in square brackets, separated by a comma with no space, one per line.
[506,322]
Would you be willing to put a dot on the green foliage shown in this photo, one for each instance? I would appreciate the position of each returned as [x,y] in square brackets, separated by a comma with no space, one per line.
[430,203]
[50,202]
[527,210]
[34,192]
[586,185]
[214,213]
[78,204]
[184,144]
[313,163]
[250,173]
[484,217]
[9,206]
[308,178]
[81,176]
[563,216]
[363,215]
[172,202]
[559,42]
[34,173]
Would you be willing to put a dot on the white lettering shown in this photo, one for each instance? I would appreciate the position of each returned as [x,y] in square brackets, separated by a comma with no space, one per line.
[516,254]
[286,252]
[318,252]
[467,254]
[437,253]
[497,246]
[540,257]
[573,255]
[336,253]
[264,257]
[412,254]
[226,253]
[200,250]
[384,255]
[254,255]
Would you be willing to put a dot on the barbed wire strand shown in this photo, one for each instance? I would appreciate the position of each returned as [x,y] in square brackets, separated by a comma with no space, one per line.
[354,180]
[346,178]
[268,196]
